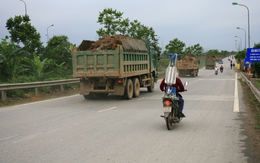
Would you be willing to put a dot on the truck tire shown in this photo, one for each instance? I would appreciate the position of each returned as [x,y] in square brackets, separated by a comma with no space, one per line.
[136,89]
[91,96]
[128,89]
[85,96]
[151,87]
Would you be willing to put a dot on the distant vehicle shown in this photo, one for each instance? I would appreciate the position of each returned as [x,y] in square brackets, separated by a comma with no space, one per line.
[188,66]
[210,62]
[220,62]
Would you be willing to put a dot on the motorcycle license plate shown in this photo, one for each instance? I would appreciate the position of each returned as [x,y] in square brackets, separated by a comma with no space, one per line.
[167,109]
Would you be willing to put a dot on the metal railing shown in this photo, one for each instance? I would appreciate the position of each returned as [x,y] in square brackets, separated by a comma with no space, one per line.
[252,86]
[5,87]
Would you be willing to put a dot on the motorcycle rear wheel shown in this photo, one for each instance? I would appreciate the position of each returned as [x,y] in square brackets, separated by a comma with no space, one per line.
[168,121]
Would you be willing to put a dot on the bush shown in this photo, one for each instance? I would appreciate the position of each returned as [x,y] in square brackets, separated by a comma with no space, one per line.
[15,93]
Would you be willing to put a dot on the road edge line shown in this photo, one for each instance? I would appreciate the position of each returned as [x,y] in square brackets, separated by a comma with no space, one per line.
[236,101]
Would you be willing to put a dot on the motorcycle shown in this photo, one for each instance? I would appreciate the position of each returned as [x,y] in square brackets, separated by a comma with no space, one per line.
[221,69]
[169,99]
[216,72]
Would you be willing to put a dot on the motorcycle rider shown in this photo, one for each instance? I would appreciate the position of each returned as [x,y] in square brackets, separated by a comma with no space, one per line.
[216,70]
[221,68]
[179,88]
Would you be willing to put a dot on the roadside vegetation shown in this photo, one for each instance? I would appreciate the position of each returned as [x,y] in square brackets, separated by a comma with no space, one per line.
[253,108]
[254,105]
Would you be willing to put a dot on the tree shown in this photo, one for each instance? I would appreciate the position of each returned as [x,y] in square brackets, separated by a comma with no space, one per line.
[115,24]
[175,46]
[111,19]
[256,65]
[22,31]
[240,55]
[37,67]
[195,50]
[58,49]
[213,52]
[224,53]
[124,27]
[10,60]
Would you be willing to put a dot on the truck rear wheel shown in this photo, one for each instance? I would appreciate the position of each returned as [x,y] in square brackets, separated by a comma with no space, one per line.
[136,89]
[151,87]
[85,96]
[128,89]
[90,96]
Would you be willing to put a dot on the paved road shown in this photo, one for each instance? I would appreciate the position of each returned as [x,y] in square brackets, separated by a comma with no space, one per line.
[73,129]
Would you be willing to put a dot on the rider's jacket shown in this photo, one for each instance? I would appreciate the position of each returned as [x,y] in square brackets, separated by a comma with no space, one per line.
[178,85]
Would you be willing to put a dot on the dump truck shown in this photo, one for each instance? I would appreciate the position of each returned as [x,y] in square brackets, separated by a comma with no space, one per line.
[188,66]
[210,62]
[114,64]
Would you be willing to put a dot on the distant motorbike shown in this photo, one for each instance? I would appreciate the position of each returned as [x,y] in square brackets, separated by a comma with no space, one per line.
[221,69]
[216,72]
[169,99]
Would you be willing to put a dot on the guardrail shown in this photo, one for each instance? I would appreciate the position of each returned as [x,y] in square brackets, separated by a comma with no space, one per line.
[254,90]
[5,87]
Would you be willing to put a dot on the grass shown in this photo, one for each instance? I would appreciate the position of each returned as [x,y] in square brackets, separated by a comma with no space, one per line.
[253,104]
[162,64]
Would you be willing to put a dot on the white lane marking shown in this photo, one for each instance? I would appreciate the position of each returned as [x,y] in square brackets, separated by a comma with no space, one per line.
[236,101]
[216,79]
[10,137]
[44,101]
[107,109]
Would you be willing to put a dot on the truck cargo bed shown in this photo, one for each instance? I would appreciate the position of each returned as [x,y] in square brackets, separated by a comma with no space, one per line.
[110,63]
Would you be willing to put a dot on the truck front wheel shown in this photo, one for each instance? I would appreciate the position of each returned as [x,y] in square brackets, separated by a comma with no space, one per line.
[136,87]
[128,89]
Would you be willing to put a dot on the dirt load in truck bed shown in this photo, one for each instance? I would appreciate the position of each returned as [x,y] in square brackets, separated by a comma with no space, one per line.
[111,43]
[107,43]
[188,58]
[187,62]
[211,58]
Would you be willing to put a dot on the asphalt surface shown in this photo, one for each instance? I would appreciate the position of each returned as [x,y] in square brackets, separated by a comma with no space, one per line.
[73,129]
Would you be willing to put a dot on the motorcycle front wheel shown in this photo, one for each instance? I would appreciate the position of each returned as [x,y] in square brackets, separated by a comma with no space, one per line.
[168,121]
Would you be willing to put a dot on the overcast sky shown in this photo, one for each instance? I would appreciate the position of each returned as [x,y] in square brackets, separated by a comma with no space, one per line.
[211,23]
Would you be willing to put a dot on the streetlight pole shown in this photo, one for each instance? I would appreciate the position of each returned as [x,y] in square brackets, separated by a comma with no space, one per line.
[162,44]
[237,47]
[25,7]
[48,31]
[240,45]
[235,3]
[245,35]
